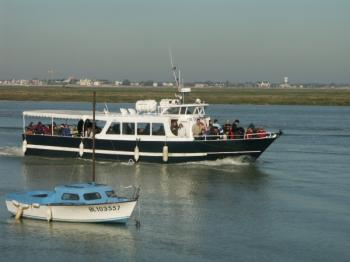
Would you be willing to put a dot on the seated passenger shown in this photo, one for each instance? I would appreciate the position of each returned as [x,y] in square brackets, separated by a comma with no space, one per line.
[181,132]
[217,125]
[30,129]
[250,131]
[227,128]
[66,131]
[39,129]
[56,129]
[174,127]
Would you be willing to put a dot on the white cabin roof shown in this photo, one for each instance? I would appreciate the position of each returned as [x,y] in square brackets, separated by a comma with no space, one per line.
[64,114]
[74,114]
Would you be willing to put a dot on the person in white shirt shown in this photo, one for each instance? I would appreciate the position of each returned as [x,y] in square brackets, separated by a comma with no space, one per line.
[181,131]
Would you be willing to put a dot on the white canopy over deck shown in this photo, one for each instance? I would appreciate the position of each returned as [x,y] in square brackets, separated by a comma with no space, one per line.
[65,114]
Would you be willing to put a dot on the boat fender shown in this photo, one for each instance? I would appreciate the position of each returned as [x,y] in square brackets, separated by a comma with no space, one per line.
[48,214]
[165,153]
[136,153]
[24,145]
[81,149]
[36,205]
[224,137]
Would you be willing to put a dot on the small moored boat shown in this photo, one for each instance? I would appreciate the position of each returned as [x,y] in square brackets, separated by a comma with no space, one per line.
[85,202]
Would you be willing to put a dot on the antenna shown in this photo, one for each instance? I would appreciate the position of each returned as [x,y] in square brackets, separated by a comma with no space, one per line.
[173,68]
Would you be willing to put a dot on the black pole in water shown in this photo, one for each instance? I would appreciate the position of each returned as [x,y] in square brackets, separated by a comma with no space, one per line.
[93,135]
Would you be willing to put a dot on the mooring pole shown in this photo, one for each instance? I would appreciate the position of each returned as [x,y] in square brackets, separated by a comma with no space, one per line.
[93,136]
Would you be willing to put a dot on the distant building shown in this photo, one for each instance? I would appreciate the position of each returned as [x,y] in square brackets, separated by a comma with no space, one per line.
[97,83]
[285,83]
[118,83]
[155,84]
[85,82]
[168,84]
[200,85]
[264,84]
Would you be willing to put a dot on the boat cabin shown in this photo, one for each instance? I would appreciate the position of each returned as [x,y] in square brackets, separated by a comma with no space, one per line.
[147,121]
[75,194]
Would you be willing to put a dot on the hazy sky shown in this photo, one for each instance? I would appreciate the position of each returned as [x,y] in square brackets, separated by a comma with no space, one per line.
[236,40]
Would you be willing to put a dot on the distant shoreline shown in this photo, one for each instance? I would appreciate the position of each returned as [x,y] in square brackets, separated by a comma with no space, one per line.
[212,95]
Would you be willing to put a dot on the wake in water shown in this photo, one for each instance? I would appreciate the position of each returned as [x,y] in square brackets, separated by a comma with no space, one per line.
[229,161]
[11,151]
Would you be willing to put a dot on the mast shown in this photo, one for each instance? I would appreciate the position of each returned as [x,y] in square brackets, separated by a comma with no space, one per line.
[179,82]
[93,135]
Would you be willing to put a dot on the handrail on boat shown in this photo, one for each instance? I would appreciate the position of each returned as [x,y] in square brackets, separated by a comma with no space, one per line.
[244,137]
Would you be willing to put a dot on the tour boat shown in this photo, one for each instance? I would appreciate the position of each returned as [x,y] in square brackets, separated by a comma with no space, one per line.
[145,133]
[81,202]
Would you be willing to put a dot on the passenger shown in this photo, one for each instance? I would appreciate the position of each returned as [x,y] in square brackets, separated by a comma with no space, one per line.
[174,127]
[39,129]
[80,127]
[30,129]
[56,130]
[197,128]
[235,125]
[147,129]
[240,132]
[227,128]
[181,132]
[260,132]
[210,130]
[218,126]
[46,130]
[237,130]
[88,128]
[250,131]
[66,130]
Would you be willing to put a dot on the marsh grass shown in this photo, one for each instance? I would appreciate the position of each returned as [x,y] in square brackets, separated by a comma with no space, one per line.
[211,95]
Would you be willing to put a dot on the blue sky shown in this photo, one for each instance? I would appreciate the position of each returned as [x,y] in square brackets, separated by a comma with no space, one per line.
[236,40]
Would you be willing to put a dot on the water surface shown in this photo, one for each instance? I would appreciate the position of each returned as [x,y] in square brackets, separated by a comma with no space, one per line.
[291,205]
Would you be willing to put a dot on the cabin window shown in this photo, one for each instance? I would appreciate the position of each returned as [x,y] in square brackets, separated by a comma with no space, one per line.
[40,195]
[69,196]
[158,129]
[128,129]
[111,193]
[114,129]
[143,129]
[92,196]
[183,110]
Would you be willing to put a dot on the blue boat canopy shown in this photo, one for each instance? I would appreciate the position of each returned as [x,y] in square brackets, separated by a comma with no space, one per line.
[74,194]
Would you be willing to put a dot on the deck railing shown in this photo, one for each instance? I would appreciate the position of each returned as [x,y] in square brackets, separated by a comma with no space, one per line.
[246,136]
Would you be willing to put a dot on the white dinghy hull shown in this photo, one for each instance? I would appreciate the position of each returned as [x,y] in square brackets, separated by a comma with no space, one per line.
[100,213]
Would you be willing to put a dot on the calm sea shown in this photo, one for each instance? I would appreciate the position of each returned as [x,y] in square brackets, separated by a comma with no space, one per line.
[293,204]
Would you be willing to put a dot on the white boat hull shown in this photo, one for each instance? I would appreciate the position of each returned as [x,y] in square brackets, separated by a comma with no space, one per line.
[101,213]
